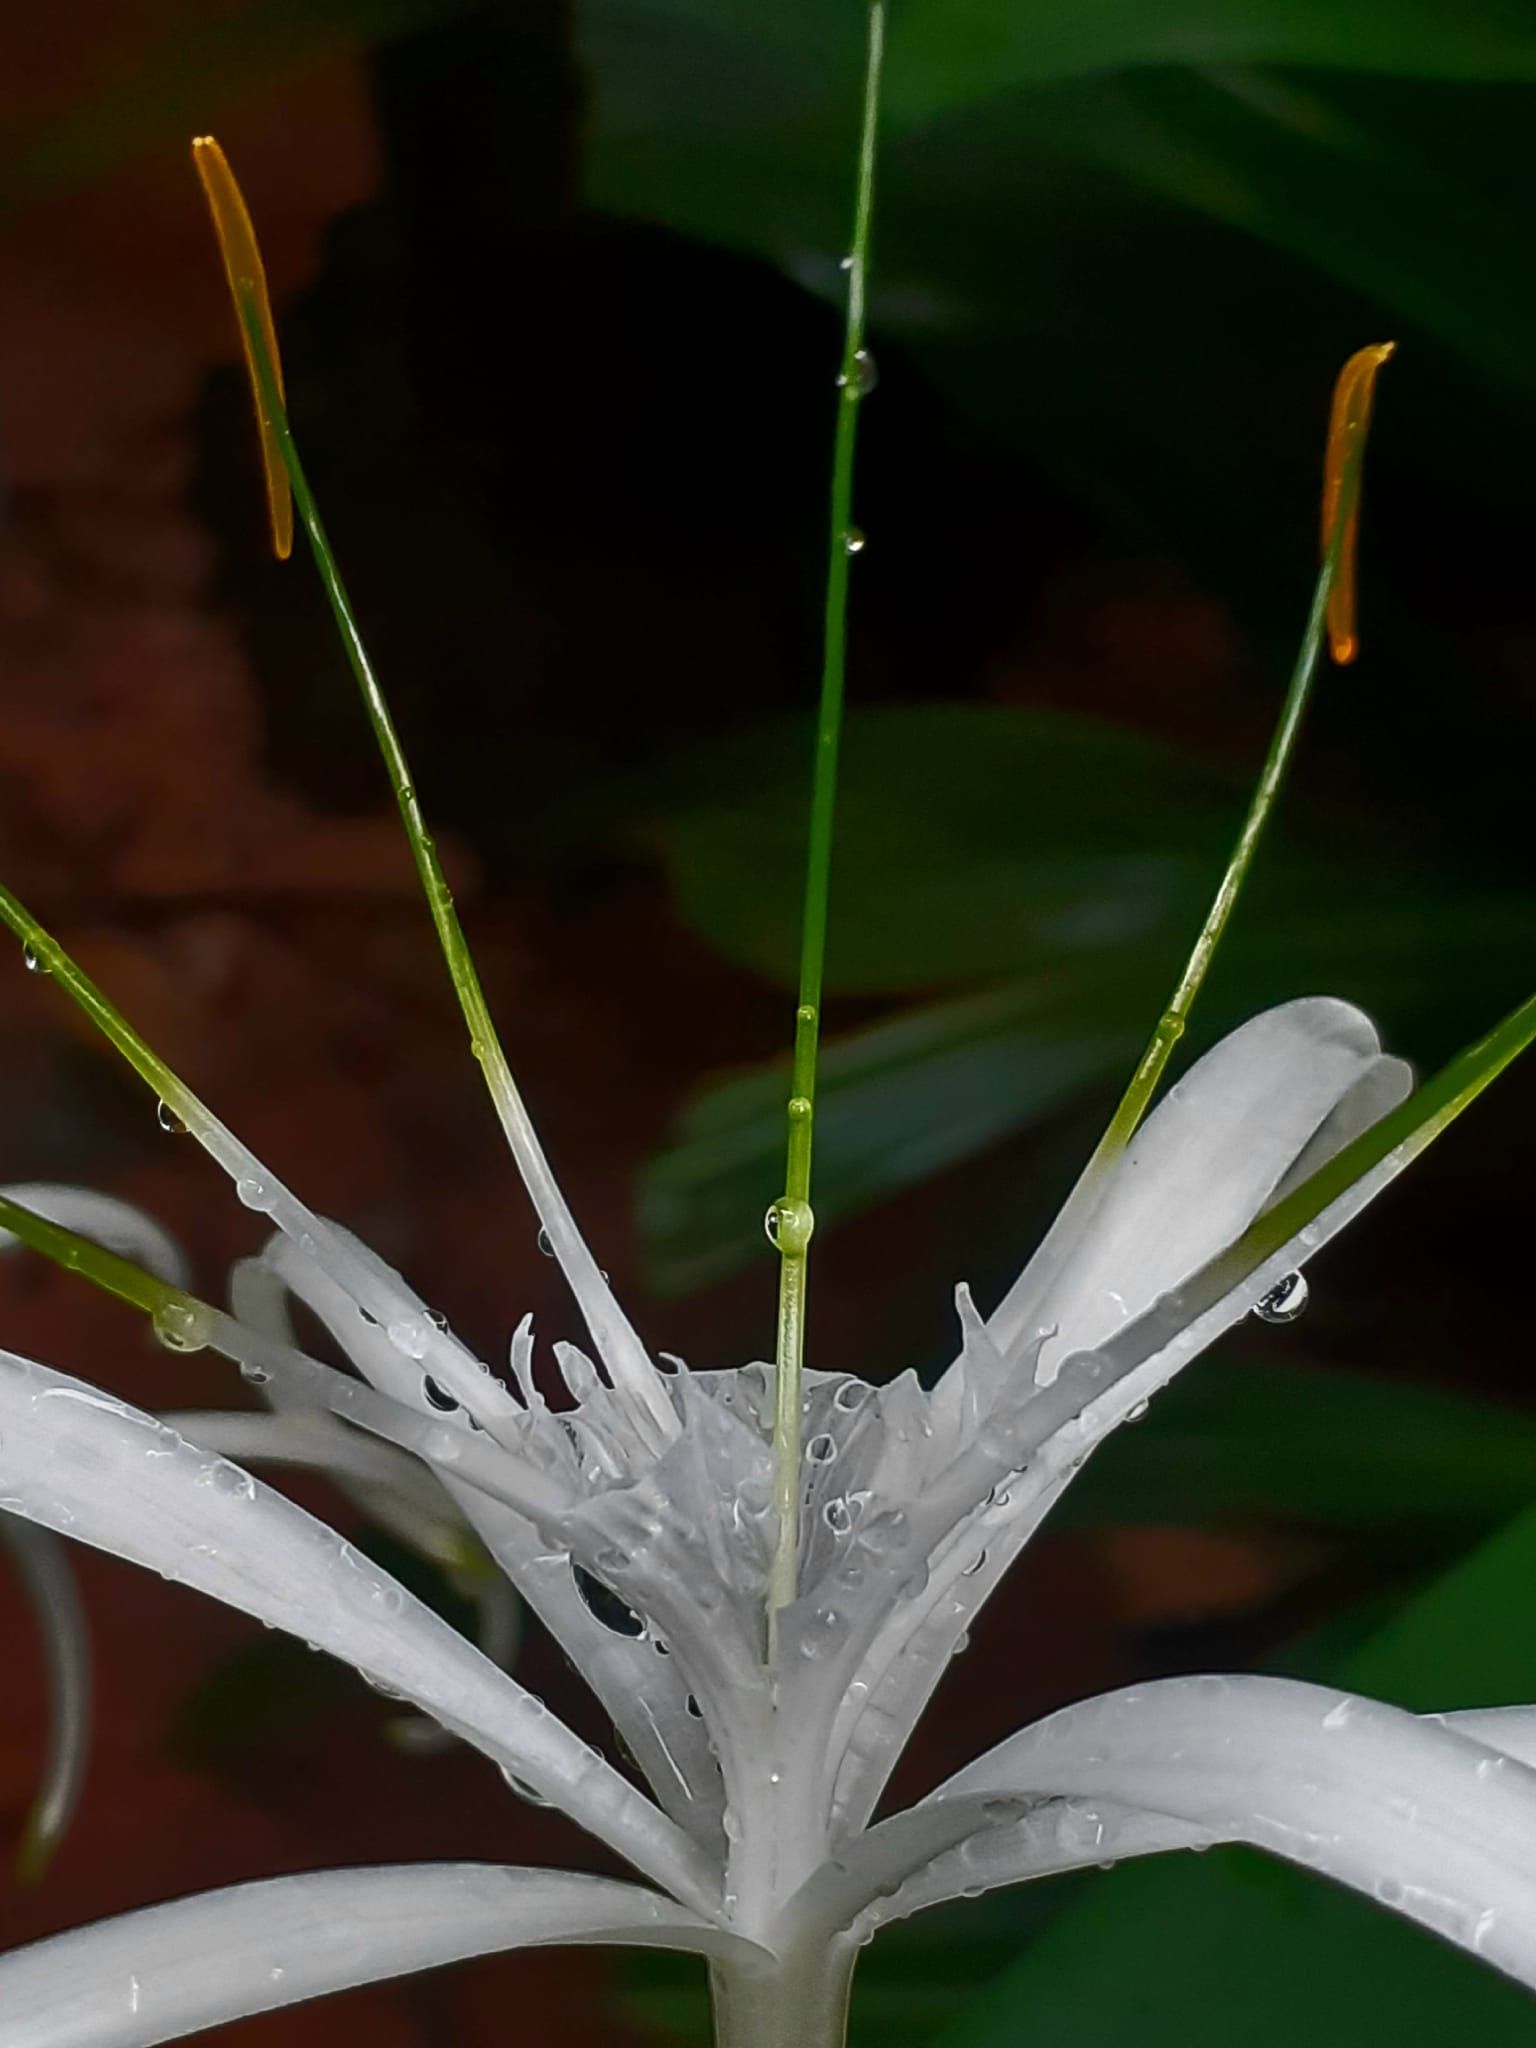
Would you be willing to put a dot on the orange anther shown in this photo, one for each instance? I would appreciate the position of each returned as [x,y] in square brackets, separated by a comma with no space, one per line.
[1351,415]
[248,284]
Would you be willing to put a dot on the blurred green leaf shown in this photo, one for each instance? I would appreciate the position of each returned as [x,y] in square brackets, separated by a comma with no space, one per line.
[896,1103]
[1197,1953]
[977,842]
[944,52]
[1327,1449]
[1103,229]
[971,841]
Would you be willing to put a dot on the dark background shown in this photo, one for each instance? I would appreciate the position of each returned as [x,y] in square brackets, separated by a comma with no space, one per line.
[556,295]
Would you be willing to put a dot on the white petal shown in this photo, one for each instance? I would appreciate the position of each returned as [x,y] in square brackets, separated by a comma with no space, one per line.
[1424,1815]
[81,1462]
[175,1969]
[396,1490]
[1193,1178]
[42,1565]
[642,1691]
[1056,1427]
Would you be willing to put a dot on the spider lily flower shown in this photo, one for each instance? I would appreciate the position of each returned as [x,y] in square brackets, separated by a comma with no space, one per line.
[763,1649]
[755,1829]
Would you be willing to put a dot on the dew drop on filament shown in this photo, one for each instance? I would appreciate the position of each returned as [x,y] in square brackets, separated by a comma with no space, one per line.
[1283,1304]
[168,1120]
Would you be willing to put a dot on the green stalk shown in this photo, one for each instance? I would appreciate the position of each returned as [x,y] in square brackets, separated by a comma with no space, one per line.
[177,1316]
[791,1219]
[634,1378]
[1170,1026]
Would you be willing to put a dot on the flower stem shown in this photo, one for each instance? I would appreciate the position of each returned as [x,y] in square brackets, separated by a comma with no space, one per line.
[799,2001]
[791,1220]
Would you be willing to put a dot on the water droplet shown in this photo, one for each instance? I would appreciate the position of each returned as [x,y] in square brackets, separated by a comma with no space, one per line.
[821,1450]
[181,1326]
[408,1337]
[1389,1891]
[853,540]
[1338,1715]
[229,1479]
[977,1563]
[523,1789]
[252,1193]
[821,1632]
[799,1109]
[1079,1829]
[838,1516]
[30,960]
[694,1708]
[850,1395]
[437,1319]
[1135,1414]
[544,1244]
[999,1497]
[1283,1304]
[253,1373]
[438,1396]
[866,371]
[845,263]
[789,1225]
[168,1120]
[887,1532]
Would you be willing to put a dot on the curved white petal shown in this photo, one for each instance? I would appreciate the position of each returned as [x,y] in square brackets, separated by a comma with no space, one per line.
[1202,1166]
[641,1687]
[42,1565]
[984,1508]
[395,1489]
[1435,1818]
[106,1220]
[175,1969]
[81,1462]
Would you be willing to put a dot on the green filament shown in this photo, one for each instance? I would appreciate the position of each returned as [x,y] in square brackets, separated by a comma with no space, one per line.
[791,1220]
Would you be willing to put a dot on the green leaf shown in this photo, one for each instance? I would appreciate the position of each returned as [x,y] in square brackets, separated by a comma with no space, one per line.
[897,1102]
[1198,1953]
[945,52]
[977,842]
[971,841]
[1329,1450]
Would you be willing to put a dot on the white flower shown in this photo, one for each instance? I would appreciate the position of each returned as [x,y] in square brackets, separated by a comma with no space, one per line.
[756,1829]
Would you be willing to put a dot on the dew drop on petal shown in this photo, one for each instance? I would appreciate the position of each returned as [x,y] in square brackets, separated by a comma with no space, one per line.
[1283,1304]
[821,1450]
[524,1790]
[438,1396]
[544,1244]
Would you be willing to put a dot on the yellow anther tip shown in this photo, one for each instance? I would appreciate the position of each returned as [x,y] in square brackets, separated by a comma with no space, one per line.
[1347,424]
[248,282]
